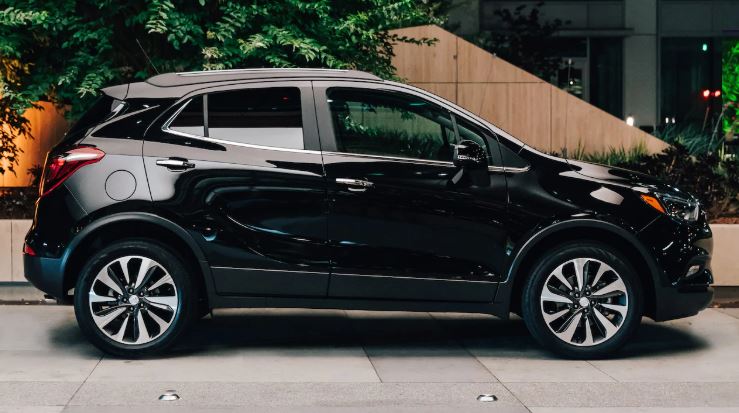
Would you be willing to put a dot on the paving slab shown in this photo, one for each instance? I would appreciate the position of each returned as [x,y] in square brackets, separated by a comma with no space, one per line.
[634,410]
[248,365]
[33,394]
[305,395]
[696,395]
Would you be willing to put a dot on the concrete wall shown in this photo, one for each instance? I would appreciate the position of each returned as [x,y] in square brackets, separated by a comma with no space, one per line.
[12,234]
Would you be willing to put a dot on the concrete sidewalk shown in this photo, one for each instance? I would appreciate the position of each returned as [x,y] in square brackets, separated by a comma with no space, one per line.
[309,360]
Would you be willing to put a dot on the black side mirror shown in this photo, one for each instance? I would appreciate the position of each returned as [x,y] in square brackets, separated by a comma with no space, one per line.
[469,154]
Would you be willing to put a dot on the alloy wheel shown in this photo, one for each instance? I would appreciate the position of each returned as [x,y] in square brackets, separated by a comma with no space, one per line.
[584,302]
[133,300]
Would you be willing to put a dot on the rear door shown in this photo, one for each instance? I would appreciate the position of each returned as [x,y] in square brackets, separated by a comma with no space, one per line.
[240,168]
[404,222]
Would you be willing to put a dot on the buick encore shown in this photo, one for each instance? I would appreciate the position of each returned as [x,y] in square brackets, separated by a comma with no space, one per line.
[317,188]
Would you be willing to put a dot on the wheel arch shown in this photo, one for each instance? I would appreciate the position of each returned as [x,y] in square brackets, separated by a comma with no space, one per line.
[135,225]
[573,230]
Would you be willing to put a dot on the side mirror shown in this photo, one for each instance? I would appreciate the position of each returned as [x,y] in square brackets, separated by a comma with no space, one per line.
[469,154]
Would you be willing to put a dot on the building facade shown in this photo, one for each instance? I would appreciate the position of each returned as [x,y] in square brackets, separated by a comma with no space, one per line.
[648,60]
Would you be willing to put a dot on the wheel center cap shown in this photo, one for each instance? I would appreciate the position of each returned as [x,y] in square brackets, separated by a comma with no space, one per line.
[584,302]
[133,300]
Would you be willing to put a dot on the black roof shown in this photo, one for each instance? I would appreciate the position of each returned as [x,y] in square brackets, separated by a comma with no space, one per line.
[208,76]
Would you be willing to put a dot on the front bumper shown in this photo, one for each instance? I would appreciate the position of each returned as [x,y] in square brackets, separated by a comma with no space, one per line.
[46,274]
[675,303]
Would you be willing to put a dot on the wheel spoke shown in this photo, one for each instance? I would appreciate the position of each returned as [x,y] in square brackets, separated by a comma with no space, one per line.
[558,274]
[162,324]
[96,299]
[603,321]
[621,309]
[124,267]
[549,296]
[602,269]
[144,271]
[615,285]
[572,325]
[110,315]
[579,273]
[588,333]
[110,282]
[119,335]
[142,332]
[549,318]
[166,279]
[166,302]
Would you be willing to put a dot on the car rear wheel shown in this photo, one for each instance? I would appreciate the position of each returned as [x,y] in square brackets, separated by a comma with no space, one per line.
[134,298]
[582,301]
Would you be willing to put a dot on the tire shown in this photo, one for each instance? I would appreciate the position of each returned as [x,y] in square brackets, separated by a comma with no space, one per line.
[610,291]
[164,302]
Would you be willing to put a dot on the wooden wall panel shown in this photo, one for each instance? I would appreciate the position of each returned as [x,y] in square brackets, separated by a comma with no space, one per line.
[424,64]
[47,127]
[534,111]
[487,100]
[446,90]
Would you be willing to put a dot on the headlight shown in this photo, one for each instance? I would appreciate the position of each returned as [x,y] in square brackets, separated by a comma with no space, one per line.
[686,209]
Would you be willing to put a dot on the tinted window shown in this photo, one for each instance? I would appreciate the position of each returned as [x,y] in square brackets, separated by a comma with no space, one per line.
[101,109]
[191,119]
[390,124]
[267,117]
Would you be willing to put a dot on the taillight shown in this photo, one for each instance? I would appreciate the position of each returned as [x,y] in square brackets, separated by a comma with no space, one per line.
[59,167]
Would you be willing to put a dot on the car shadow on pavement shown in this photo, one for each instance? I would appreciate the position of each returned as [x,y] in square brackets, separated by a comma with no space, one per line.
[319,330]
[417,331]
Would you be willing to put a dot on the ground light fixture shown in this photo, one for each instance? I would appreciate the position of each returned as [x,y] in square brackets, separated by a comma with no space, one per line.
[630,120]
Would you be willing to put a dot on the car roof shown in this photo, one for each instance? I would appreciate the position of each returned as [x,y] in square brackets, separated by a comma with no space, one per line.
[209,76]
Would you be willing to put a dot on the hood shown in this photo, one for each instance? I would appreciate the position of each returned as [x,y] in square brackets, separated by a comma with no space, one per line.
[620,176]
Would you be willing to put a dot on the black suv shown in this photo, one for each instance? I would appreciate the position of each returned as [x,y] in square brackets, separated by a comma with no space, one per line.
[335,189]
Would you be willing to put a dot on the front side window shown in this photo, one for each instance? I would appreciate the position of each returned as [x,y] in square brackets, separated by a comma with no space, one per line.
[390,124]
[265,117]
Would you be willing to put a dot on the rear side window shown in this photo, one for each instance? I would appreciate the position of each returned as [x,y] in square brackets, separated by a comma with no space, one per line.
[101,110]
[191,119]
[265,117]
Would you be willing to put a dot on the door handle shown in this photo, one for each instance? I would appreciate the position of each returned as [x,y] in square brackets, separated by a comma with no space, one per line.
[177,164]
[355,185]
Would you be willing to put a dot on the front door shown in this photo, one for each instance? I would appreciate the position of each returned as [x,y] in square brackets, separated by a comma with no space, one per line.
[404,222]
[241,169]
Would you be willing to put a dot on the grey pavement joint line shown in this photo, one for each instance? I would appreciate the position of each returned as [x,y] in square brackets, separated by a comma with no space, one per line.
[84,381]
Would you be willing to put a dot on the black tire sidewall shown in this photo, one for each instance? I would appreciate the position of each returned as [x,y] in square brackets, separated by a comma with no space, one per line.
[174,266]
[534,319]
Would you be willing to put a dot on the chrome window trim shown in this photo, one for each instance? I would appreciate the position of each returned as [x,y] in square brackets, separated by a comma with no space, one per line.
[166,129]
[391,158]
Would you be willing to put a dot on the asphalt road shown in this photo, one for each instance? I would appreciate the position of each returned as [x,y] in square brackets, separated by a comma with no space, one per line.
[337,361]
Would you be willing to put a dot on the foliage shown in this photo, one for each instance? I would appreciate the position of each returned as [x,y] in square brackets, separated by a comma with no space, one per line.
[64,51]
[695,140]
[715,181]
[613,156]
[730,88]
[525,40]
[19,203]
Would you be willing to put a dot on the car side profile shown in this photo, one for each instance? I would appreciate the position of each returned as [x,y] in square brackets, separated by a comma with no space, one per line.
[317,188]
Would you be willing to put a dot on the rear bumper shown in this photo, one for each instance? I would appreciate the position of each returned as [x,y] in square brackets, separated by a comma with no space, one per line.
[46,274]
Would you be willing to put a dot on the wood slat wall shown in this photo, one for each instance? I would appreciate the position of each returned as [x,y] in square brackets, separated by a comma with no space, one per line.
[520,103]
[47,127]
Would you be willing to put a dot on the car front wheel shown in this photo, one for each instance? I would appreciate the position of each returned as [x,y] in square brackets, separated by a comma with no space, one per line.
[582,301]
[134,298]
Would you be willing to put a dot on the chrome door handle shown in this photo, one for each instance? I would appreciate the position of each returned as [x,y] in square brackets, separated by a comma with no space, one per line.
[175,163]
[355,185]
